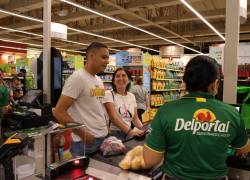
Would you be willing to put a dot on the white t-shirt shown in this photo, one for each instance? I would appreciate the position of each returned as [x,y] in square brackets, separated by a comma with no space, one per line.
[86,109]
[124,105]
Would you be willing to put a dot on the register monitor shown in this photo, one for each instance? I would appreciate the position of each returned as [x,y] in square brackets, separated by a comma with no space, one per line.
[31,96]
[237,107]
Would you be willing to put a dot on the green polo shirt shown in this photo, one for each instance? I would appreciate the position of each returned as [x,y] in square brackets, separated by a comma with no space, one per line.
[194,132]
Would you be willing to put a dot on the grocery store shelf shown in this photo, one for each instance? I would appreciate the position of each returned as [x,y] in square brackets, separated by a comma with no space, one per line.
[176,70]
[108,72]
[140,65]
[136,76]
[169,69]
[160,68]
[107,81]
[167,79]
[163,90]
[11,77]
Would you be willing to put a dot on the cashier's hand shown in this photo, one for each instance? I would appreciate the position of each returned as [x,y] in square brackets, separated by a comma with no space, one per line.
[136,132]
[242,155]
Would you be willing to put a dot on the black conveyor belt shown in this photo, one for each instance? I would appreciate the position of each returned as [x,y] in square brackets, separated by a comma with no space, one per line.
[114,160]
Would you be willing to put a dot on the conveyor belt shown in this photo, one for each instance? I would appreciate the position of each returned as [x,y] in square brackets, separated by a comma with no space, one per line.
[114,160]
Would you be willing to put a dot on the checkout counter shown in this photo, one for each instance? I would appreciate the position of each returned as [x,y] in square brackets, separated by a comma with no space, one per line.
[101,167]
[238,167]
[27,113]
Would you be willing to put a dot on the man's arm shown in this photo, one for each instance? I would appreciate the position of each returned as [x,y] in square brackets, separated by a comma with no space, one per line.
[63,117]
[151,157]
[245,149]
[136,120]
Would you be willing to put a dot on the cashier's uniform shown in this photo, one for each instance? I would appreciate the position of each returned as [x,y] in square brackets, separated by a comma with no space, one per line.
[194,133]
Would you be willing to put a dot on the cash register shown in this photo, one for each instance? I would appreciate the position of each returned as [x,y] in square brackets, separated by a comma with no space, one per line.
[27,113]
[239,167]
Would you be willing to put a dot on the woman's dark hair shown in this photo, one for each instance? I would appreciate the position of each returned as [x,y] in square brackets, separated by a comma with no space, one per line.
[200,72]
[113,78]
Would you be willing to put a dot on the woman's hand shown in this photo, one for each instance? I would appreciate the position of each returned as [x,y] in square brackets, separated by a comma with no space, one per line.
[136,132]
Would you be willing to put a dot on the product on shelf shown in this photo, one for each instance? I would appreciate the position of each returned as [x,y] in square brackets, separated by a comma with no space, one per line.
[110,68]
[152,113]
[106,77]
[156,100]
[166,82]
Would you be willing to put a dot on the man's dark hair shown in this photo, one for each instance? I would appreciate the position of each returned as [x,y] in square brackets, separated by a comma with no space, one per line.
[113,79]
[200,72]
[94,46]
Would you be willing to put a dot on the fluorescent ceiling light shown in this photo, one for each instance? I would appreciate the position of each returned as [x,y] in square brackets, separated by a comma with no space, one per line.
[74,42]
[115,49]
[111,39]
[85,32]
[16,48]
[71,50]
[24,32]
[203,19]
[21,16]
[19,42]
[34,34]
[126,24]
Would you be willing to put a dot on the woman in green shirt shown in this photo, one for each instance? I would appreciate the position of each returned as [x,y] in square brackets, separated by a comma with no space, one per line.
[193,133]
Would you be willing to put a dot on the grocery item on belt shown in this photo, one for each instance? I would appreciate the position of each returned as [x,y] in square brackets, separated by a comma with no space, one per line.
[133,159]
[112,146]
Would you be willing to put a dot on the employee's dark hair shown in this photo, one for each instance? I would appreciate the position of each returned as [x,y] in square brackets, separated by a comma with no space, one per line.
[200,72]
[94,46]
[113,78]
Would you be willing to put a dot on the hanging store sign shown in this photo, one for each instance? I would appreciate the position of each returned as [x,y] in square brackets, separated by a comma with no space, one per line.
[243,11]
[58,31]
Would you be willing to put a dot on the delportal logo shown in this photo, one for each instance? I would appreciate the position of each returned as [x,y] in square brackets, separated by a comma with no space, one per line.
[204,115]
[204,122]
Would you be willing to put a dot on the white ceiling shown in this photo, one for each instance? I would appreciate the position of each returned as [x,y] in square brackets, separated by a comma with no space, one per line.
[167,18]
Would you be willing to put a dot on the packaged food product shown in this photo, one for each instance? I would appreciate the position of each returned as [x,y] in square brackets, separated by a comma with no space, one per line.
[112,146]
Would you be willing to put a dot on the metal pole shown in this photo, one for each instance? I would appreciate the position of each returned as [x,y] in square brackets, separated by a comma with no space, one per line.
[46,51]
[46,64]
[231,51]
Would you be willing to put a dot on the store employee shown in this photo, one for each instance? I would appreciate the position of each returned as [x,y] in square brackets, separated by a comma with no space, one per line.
[81,101]
[192,134]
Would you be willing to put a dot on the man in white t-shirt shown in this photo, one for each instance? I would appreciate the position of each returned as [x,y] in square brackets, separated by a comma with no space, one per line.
[81,101]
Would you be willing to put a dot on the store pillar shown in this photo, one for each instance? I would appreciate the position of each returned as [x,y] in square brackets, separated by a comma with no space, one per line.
[231,51]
